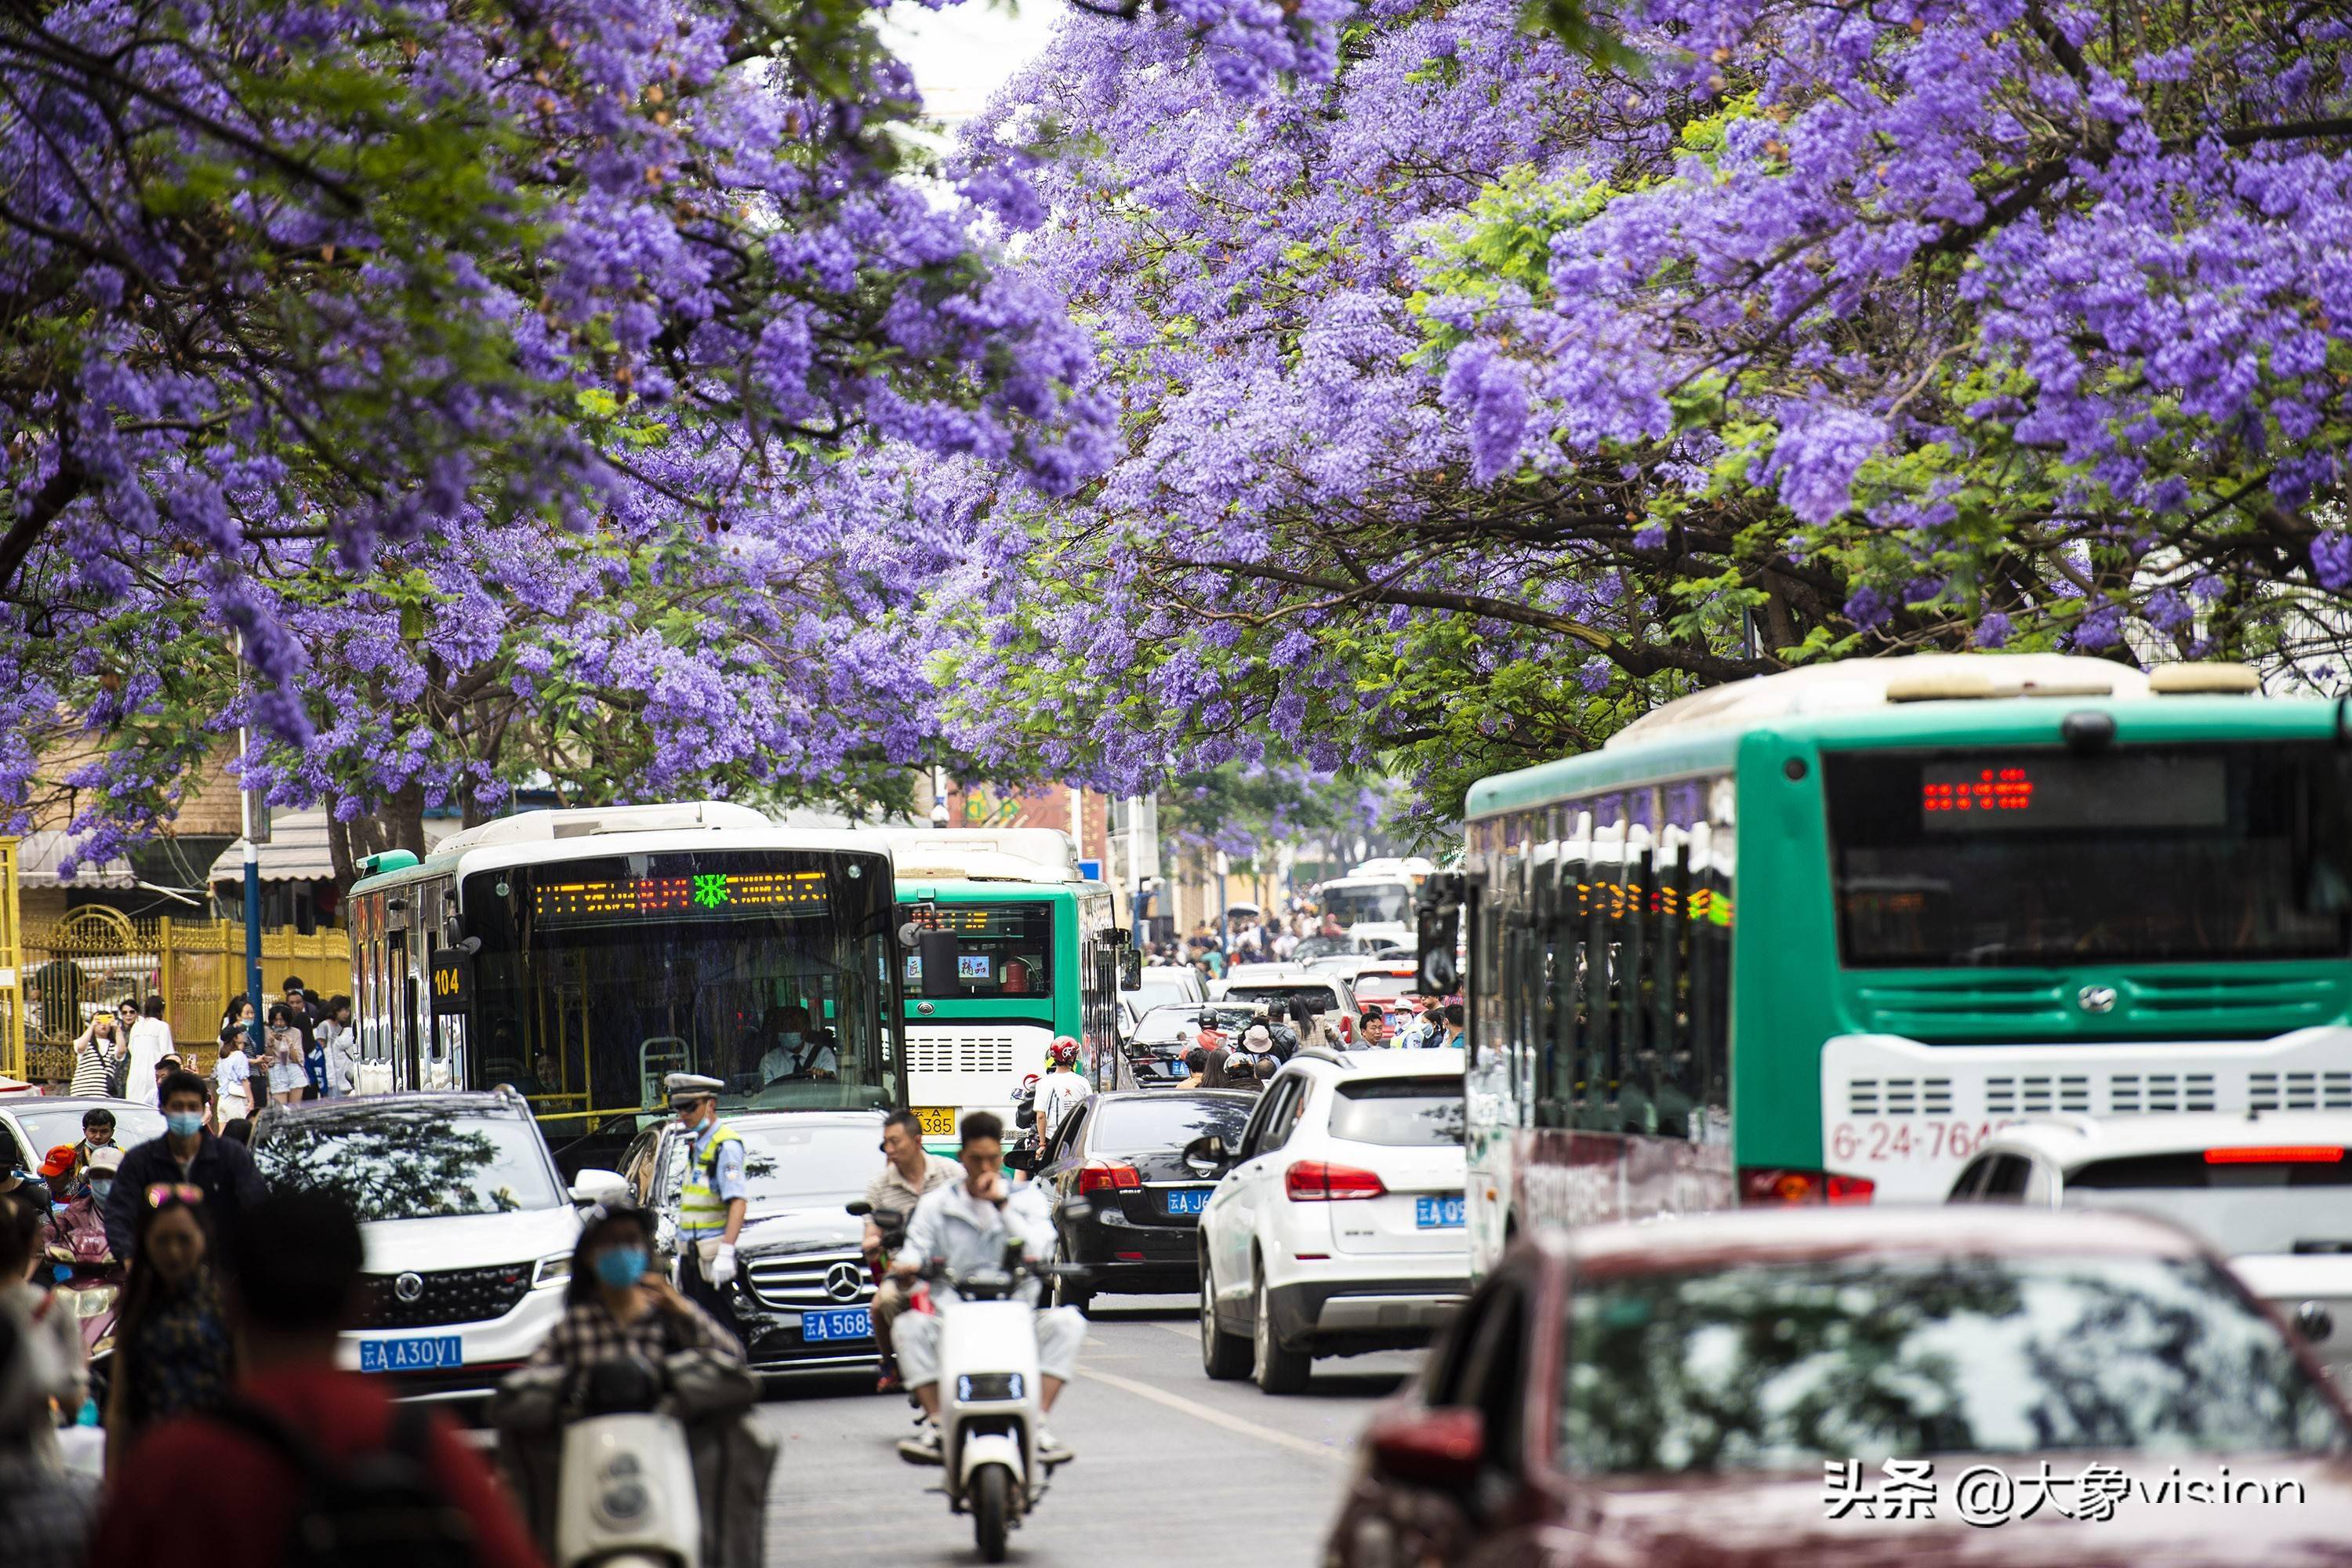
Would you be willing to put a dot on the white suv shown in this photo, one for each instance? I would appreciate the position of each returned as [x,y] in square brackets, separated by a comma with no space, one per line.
[1338,1225]
[468,1227]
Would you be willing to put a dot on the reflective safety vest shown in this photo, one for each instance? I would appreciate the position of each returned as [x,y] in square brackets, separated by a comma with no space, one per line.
[700,1209]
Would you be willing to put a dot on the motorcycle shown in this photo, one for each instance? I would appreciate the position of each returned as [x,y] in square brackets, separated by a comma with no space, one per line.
[621,1489]
[892,1224]
[990,1405]
[1020,1153]
[89,1281]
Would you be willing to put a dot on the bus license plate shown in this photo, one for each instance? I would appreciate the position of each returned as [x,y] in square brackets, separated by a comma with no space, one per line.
[939,1120]
[1189,1200]
[1437,1213]
[428,1353]
[837,1323]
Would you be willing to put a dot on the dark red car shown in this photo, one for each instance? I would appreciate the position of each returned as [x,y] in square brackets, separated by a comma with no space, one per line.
[1831,1388]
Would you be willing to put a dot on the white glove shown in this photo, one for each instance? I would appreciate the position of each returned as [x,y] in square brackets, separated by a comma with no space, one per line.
[722,1265]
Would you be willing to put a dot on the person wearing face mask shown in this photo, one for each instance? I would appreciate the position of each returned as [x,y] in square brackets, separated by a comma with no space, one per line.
[615,1305]
[781,1039]
[97,1133]
[78,1229]
[710,1209]
[189,1155]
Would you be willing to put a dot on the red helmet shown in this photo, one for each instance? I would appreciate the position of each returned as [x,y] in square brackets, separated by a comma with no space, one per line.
[1063,1051]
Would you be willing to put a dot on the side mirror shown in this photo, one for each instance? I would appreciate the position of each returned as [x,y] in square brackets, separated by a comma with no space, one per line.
[1442,1449]
[1208,1156]
[939,955]
[2314,1322]
[1438,915]
[858,1209]
[594,1186]
[1131,970]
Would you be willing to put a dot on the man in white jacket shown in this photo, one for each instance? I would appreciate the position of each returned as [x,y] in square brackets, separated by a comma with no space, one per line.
[151,1042]
[1062,1089]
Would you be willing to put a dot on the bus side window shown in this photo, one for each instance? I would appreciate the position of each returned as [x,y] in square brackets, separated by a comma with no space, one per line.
[1675,1093]
[1636,955]
[1603,905]
[1563,1081]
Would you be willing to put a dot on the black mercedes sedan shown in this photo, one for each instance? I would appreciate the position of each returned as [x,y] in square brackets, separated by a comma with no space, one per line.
[1121,1153]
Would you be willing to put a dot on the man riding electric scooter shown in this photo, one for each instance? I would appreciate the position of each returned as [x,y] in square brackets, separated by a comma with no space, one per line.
[966,1225]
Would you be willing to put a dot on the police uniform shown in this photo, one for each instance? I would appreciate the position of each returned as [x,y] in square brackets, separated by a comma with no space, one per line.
[714,1179]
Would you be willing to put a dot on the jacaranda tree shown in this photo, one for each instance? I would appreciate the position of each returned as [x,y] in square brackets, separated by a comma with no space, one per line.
[1477,393]
[372,333]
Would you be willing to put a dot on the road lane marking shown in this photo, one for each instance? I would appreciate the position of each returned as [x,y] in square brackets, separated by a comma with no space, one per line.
[1214,1417]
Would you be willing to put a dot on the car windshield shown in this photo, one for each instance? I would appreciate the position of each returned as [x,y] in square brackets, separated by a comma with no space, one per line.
[45,1129]
[1162,1025]
[1384,987]
[410,1162]
[1168,1122]
[2243,1205]
[1168,979]
[1313,947]
[1318,998]
[789,1166]
[2015,856]
[1785,1366]
[1402,1112]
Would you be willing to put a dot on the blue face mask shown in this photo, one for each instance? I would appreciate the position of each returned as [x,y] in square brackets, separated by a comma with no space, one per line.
[99,1186]
[620,1266]
[184,1123]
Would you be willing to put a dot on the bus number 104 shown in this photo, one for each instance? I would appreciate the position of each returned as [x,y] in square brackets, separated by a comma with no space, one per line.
[1910,1138]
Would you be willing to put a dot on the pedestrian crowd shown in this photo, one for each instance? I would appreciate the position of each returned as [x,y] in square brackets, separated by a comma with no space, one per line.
[224,1420]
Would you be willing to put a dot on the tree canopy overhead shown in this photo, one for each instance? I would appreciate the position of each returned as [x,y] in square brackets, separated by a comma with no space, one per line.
[1477,393]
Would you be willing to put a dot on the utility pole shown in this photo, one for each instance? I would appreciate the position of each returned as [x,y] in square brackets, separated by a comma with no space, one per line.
[245,805]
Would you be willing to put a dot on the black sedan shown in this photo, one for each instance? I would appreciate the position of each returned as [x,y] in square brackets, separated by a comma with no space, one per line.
[1125,1204]
[801,1301]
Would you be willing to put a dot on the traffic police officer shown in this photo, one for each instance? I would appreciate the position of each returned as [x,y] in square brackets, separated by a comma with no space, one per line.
[711,1212]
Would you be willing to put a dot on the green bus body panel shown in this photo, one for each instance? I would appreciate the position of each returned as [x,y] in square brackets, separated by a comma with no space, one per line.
[1062,1010]
[1790,993]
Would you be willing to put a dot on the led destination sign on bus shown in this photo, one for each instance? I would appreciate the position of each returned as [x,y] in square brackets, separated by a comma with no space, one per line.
[700,895]
[1993,795]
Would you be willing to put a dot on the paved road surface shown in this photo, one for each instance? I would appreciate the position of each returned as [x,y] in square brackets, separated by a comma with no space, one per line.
[1171,1468]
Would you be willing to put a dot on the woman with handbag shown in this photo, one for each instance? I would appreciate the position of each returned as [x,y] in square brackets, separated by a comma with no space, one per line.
[93,1059]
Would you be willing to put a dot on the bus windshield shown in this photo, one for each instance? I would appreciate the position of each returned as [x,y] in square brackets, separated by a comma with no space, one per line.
[1002,950]
[1381,903]
[768,969]
[2035,856]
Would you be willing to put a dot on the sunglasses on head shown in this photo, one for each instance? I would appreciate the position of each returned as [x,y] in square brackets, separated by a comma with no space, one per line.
[163,1192]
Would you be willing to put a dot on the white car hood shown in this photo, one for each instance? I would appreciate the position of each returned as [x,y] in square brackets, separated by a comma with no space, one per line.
[470,1241]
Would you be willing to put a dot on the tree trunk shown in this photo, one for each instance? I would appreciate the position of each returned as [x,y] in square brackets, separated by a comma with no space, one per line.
[403,820]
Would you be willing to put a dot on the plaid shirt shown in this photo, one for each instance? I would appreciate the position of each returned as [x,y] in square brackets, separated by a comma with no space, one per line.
[588,1333]
[49,1516]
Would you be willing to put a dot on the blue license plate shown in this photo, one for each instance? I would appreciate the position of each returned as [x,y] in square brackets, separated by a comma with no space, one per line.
[428,1353]
[1189,1200]
[1437,1213]
[837,1323]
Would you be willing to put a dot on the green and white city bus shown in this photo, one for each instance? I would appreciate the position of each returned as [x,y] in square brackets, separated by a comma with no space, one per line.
[581,955]
[1814,937]
[1035,954]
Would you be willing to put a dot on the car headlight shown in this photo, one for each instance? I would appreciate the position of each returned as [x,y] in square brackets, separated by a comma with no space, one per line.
[551,1271]
[96,1301]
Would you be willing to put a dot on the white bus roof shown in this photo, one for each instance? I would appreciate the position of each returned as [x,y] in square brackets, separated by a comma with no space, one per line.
[582,833]
[983,854]
[1875,682]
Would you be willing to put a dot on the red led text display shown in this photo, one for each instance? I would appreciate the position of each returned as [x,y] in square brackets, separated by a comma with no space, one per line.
[1984,789]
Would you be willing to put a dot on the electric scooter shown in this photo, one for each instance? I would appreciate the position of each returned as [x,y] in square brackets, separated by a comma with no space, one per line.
[990,1398]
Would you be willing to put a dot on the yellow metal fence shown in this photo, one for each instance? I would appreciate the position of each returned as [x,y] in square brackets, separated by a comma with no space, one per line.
[96,958]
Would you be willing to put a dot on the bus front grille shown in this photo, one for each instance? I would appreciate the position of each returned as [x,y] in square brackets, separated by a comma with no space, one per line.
[957,1050]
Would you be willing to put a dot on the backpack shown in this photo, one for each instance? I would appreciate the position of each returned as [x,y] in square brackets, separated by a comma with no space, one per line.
[379,1510]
